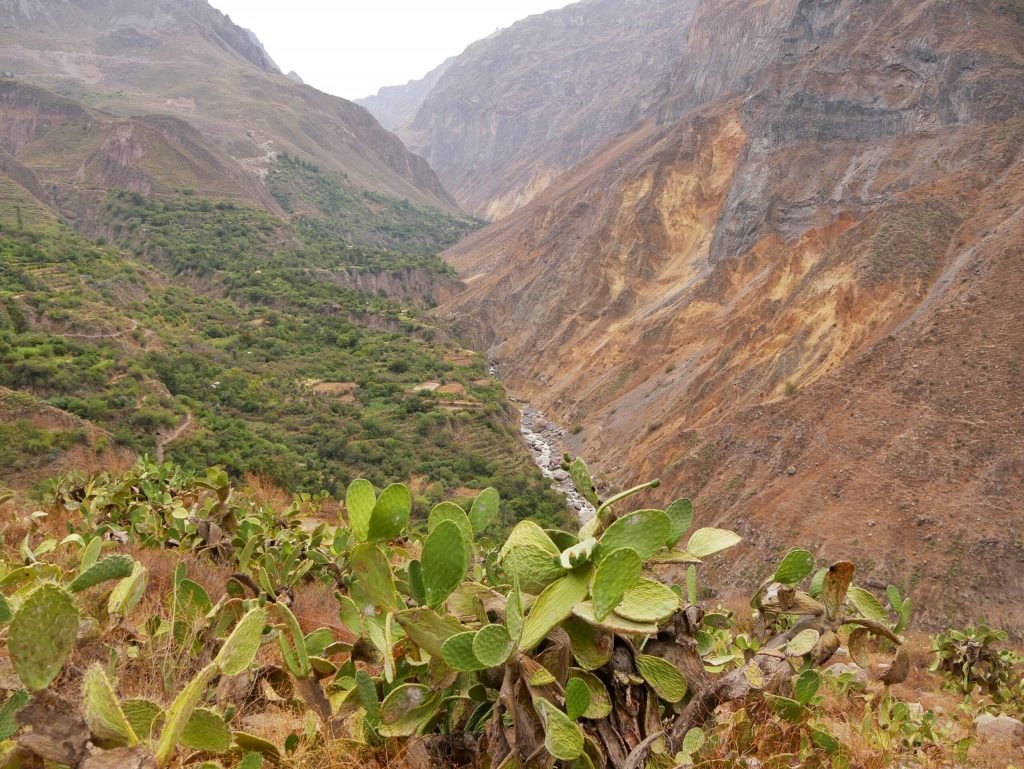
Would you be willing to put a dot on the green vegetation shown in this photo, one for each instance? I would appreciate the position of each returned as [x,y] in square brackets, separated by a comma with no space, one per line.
[326,211]
[550,645]
[211,317]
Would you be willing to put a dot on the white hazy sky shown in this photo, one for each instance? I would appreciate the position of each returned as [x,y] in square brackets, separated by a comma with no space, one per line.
[351,48]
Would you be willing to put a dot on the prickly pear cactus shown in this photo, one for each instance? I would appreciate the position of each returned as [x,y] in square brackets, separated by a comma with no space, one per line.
[241,647]
[114,567]
[42,634]
[206,731]
[102,711]
[445,562]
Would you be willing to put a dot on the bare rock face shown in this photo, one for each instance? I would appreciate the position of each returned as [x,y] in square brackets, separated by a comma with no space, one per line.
[185,59]
[809,261]
[520,107]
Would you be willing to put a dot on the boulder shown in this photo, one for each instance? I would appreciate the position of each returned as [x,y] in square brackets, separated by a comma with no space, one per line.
[999,730]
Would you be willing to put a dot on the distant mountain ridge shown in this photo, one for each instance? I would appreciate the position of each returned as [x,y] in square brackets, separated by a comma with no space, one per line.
[521,106]
[186,59]
[396,105]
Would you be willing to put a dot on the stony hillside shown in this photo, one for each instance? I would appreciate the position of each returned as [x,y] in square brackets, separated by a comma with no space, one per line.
[794,295]
[520,107]
[184,59]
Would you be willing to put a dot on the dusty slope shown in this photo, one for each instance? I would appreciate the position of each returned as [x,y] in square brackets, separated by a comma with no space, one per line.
[185,59]
[797,303]
[527,103]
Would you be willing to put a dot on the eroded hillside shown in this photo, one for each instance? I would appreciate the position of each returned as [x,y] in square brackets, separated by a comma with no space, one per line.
[792,296]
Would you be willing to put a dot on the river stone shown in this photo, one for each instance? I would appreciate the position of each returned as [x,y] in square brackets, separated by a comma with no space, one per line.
[999,731]
[560,475]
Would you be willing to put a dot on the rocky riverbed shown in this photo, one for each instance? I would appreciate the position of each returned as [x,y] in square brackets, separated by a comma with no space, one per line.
[548,442]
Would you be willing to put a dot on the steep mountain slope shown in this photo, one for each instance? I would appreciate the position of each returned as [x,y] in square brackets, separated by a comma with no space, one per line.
[520,107]
[794,296]
[185,59]
[396,105]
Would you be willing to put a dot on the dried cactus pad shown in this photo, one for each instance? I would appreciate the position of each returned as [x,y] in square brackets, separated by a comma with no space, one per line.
[41,636]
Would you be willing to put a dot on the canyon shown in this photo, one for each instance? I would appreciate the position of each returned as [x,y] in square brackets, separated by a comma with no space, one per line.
[789,291]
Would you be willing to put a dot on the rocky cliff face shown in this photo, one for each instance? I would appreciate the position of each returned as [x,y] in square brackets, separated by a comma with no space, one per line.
[520,107]
[792,297]
[183,58]
[396,105]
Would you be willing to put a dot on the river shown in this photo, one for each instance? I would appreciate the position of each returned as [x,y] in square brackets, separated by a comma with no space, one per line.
[547,442]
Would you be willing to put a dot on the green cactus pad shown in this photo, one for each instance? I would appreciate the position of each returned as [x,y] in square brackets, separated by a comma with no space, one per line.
[705,542]
[577,698]
[578,554]
[531,556]
[407,709]
[662,676]
[390,514]
[427,629]
[192,598]
[515,612]
[251,760]
[600,702]
[555,604]
[349,614]
[867,604]
[292,642]
[803,643]
[795,567]
[240,648]
[417,588]
[128,592]
[591,647]
[648,601]
[206,731]
[374,586]
[445,562]
[583,481]
[41,636]
[6,615]
[492,645]
[368,696]
[613,623]
[180,712]
[449,511]
[485,509]
[360,499]
[563,539]
[680,514]
[645,531]
[8,711]
[254,745]
[115,567]
[90,553]
[102,711]
[806,686]
[458,653]
[789,710]
[563,737]
[144,716]
[617,572]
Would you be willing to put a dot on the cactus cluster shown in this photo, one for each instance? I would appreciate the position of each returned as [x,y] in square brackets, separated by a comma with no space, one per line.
[554,642]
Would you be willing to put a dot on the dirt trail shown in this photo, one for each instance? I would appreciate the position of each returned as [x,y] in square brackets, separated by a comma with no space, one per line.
[162,442]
